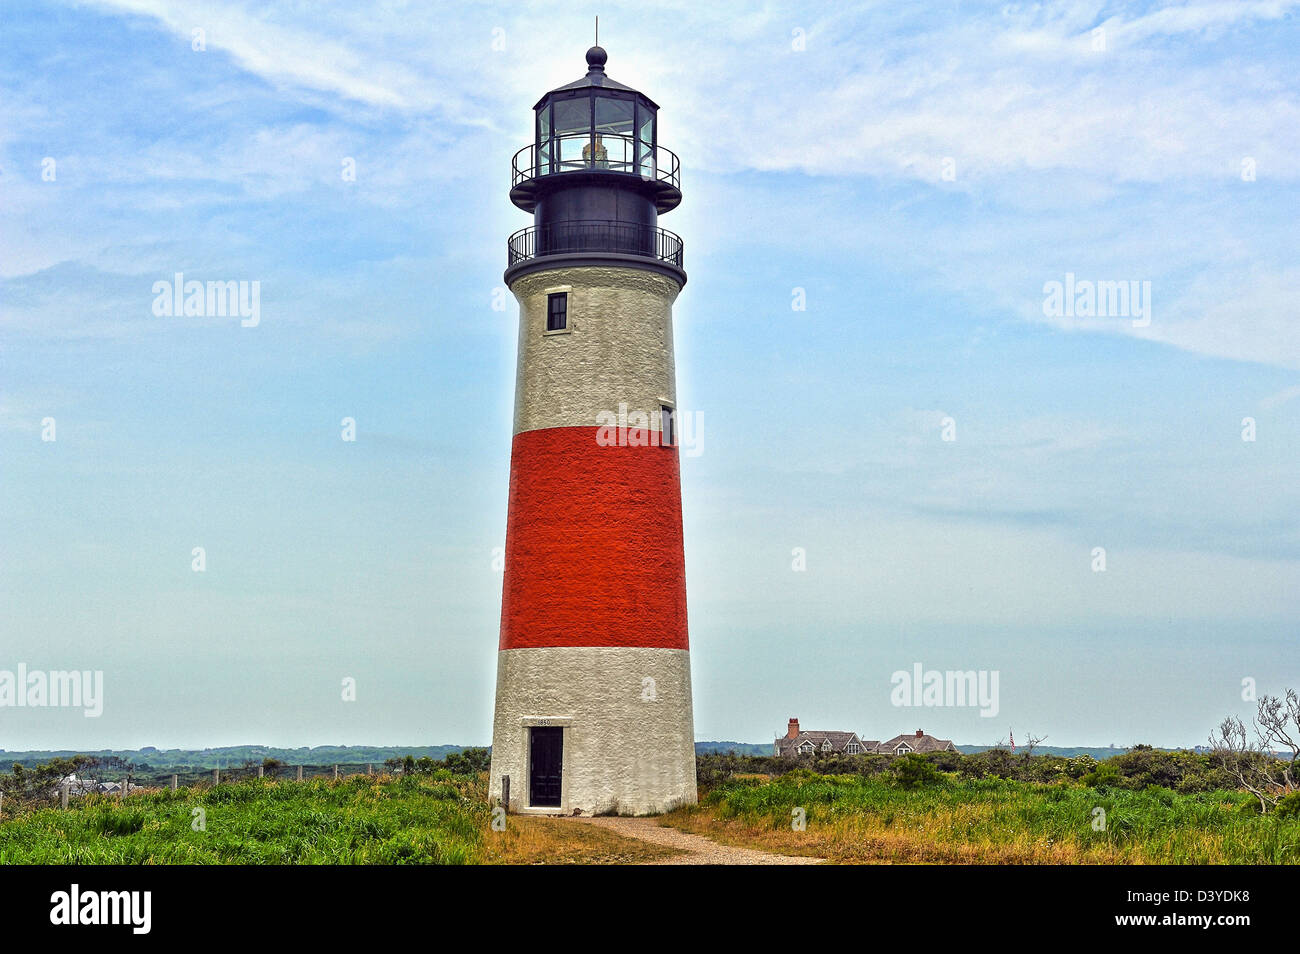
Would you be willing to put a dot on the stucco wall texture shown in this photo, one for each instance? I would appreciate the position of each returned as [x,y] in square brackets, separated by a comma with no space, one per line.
[629,743]
[618,347]
[594,551]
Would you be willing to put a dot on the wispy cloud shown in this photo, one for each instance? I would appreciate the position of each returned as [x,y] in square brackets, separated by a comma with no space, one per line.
[1280,398]
[285,53]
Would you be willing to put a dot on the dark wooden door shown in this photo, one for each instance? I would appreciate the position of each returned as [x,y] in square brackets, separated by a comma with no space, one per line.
[545,765]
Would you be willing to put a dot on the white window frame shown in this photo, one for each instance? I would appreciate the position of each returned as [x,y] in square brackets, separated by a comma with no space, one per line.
[568,310]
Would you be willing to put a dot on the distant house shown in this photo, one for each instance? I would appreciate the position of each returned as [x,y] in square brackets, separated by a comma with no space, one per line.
[86,786]
[75,786]
[798,742]
[917,742]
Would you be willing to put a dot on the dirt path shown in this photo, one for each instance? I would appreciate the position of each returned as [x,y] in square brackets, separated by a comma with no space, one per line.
[697,850]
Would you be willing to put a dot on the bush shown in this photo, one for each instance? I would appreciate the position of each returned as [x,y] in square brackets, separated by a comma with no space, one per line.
[469,762]
[994,763]
[1106,774]
[1179,771]
[914,771]
[1289,806]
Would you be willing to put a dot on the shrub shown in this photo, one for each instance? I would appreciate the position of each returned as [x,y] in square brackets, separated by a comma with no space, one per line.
[914,771]
[469,762]
[1106,774]
[1289,806]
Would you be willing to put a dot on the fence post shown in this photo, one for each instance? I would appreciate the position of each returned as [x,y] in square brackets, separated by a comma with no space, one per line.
[2,803]
[336,773]
[300,773]
[216,776]
[174,780]
[64,795]
[121,792]
[259,771]
[370,770]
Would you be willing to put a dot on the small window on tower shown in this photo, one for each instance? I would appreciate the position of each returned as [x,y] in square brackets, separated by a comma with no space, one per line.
[557,311]
[667,424]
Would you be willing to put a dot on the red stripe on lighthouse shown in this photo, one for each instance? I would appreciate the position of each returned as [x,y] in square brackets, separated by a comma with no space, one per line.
[593,544]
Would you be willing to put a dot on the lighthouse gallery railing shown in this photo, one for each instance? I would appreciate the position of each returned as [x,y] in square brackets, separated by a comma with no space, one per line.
[603,152]
[567,238]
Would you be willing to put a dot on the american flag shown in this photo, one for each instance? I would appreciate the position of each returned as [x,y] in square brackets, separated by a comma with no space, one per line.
[1013,740]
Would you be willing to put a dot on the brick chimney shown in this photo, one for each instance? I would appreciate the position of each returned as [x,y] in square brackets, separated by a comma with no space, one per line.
[793,731]
[919,733]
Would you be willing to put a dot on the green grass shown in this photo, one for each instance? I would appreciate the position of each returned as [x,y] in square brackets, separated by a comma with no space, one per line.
[360,820]
[444,819]
[855,818]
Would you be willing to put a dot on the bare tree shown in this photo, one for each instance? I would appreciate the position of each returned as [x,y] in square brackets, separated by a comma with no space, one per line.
[1028,745]
[1277,724]
[1032,743]
[1261,765]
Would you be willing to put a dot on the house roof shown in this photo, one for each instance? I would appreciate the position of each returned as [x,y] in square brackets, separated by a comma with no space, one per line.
[838,740]
[917,743]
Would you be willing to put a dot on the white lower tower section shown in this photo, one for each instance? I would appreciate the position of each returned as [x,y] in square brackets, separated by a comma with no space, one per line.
[620,711]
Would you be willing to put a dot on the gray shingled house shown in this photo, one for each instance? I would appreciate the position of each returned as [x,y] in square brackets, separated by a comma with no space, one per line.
[797,742]
[917,742]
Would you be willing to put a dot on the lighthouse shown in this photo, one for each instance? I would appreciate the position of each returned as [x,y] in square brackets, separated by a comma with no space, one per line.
[593,692]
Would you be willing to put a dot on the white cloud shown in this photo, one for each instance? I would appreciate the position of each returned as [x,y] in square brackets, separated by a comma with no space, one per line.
[1123,163]
[283,54]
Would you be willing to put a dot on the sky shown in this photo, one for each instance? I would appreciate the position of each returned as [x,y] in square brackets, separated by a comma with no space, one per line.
[905,454]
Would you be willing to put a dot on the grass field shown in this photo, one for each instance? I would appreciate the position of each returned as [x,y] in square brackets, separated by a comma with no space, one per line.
[440,819]
[851,819]
[444,819]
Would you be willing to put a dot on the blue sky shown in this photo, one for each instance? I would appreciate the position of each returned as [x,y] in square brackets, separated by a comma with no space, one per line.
[814,140]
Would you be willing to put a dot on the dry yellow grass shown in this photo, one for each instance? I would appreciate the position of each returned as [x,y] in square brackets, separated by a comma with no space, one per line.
[933,839]
[533,840]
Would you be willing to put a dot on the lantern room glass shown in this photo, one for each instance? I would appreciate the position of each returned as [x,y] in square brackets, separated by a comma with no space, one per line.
[596,130]
[614,130]
[645,141]
[544,140]
[572,129]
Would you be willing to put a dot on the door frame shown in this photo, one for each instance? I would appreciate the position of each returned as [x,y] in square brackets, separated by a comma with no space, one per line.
[526,744]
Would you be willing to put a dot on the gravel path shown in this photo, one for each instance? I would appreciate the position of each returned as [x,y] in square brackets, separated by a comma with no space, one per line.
[697,849]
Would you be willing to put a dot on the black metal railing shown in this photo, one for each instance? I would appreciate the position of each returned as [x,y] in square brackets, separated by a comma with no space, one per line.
[584,235]
[603,152]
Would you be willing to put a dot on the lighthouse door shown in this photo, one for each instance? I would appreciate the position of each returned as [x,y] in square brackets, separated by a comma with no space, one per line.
[545,761]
